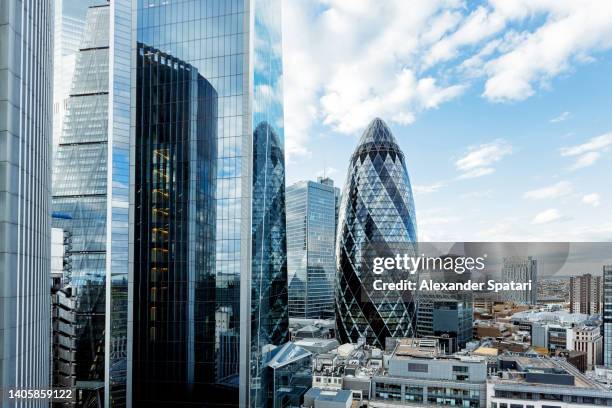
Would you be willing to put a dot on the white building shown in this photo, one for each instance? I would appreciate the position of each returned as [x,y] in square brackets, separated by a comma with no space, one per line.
[589,340]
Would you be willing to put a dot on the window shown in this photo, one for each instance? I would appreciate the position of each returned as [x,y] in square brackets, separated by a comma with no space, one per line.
[418,368]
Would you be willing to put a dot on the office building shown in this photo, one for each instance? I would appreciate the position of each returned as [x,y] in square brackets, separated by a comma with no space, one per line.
[586,294]
[521,270]
[589,340]
[90,201]
[449,319]
[291,373]
[175,146]
[607,315]
[311,260]
[318,398]
[377,212]
[26,55]
[537,382]
[66,41]
[420,375]
[223,41]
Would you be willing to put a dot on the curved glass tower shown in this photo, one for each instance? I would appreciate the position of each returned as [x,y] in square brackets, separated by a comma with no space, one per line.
[376,214]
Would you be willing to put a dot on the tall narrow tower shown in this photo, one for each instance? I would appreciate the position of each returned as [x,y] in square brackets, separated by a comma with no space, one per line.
[26,77]
[91,177]
[376,214]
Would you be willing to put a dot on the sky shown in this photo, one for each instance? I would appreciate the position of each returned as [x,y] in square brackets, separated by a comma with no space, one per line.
[502,109]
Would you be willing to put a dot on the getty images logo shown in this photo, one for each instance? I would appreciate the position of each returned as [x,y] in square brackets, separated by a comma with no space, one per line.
[411,264]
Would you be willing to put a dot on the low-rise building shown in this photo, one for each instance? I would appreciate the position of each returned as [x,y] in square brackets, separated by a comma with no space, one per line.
[318,398]
[419,374]
[540,382]
[589,340]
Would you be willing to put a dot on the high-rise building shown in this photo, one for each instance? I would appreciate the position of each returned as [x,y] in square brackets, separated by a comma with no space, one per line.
[376,213]
[311,260]
[235,47]
[607,315]
[448,319]
[586,294]
[174,230]
[26,55]
[68,31]
[91,181]
[521,270]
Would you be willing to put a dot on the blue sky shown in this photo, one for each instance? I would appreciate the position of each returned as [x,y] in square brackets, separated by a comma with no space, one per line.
[501,108]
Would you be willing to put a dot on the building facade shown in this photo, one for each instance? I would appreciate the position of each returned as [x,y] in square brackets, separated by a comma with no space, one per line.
[66,41]
[311,260]
[541,383]
[174,223]
[440,381]
[586,294]
[26,55]
[376,215]
[523,270]
[589,340]
[90,201]
[225,42]
[607,315]
[450,319]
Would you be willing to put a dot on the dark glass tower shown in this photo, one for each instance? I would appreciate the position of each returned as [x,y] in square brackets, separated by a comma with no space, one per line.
[174,230]
[236,46]
[376,215]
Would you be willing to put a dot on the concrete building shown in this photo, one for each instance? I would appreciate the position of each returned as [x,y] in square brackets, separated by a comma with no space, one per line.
[589,340]
[523,270]
[419,374]
[607,315]
[586,293]
[536,382]
[318,398]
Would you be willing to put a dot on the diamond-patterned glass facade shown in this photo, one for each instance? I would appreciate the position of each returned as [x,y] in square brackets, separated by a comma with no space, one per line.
[376,212]
[80,181]
[90,201]
[269,303]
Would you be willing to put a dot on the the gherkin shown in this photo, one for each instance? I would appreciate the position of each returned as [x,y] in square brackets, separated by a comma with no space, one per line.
[376,216]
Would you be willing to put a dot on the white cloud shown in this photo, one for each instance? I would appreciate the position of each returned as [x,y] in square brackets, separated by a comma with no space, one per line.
[346,62]
[432,221]
[420,189]
[559,189]
[548,216]
[592,199]
[588,153]
[563,116]
[479,160]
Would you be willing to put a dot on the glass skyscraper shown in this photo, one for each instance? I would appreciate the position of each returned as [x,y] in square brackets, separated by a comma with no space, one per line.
[235,45]
[90,200]
[174,229]
[311,259]
[376,214]
[26,55]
